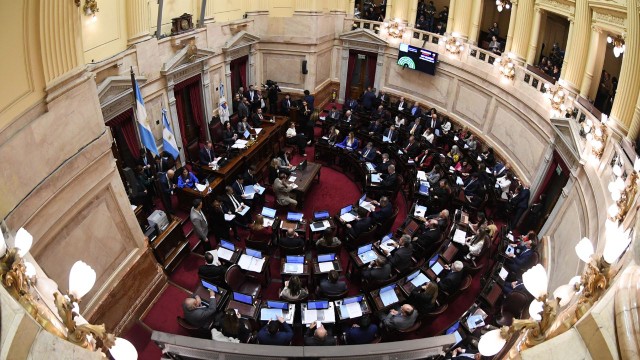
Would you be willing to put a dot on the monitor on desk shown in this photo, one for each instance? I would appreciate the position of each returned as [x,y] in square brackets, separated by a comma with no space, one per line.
[295,259]
[454,329]
[227,245]
[363,249]
[362,199]
[388,288]
[318,305]
[277,305]
[254,253]
[353,299]
[413,276]
[326,257]
[302,165]
[246,134]
[268,212]
[243,298]
[321,215]
[346,209]
[210,286]
[294,216]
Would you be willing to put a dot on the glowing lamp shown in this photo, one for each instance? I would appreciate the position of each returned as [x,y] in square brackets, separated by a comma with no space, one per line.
[535,281]
[491,343]
[123,350]
[584,249]
[24,240]
[81,279]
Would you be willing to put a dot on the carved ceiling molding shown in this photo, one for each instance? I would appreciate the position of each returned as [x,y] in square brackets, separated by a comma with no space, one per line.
[561,7]
[239,45]
[114,94]
[610,20]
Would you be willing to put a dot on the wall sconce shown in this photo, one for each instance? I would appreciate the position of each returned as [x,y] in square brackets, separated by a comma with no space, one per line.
[557,96]
[90,8]
[503,4]
[507,66]
[618,44]
[453,44]
[393,29]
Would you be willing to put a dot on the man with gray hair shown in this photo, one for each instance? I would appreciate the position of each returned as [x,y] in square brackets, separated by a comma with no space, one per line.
[400,320]
[450,282]
[198,313]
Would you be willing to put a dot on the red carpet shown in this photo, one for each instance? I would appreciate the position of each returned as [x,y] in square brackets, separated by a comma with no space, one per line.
[163,313]
[140,337]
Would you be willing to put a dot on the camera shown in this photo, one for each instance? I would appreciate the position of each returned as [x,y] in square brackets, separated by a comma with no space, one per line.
[269,83]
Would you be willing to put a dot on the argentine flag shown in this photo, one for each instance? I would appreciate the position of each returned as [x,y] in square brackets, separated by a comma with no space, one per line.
[168,140]
[146,136]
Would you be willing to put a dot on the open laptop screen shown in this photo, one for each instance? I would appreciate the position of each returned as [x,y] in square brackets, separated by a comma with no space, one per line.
[321,215]
[293,259]
[318,305]
[243,298]
[294,216]
[364,249]
[346,209]
[326,257]
[277,305]
[254,253]
[352,299]
[227,245]
[268,212]
[210,286]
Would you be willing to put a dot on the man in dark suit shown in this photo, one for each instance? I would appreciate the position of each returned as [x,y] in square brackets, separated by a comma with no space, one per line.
[334,114]
[383,167]
[166,187]
[472,187]
[257,118]
[362,333]
[232,204]
[212,267]
[318,337]
[368,98]
[376,128]
[415,110]
[400,257]
[433,122]
[412,148]
[384,210]
[415,128]
[243,109]
[368,152]
[309,99]
[391,133]
[362,224]
[206,154]
[450,282]
[331,286]
[200,223]
[146,161]
[382,99]
[352,105]
[518,263]
[400,320]
[379,269]
[430,235]
[286,104]
[520,202]
[292,239]
[379,113]
[401,105]
[197,313]
[238,190]
[250,94]
[275,333]
[390,179]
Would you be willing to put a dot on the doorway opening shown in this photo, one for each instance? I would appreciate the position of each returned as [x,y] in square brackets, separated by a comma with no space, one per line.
[361,72]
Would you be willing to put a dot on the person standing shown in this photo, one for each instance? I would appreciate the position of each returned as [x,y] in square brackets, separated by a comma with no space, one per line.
[200,223]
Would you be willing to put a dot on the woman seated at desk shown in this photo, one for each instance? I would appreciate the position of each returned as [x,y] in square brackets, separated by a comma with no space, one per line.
[332,136]
[475,243]
[296,139]
[293,290]
[259,232]
[229,137]
[455,153]
[350,142]
[187,179]
[328,239]
[235,327]
[423,298]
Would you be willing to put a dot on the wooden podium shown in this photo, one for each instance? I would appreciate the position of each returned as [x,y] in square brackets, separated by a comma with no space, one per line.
[171,246]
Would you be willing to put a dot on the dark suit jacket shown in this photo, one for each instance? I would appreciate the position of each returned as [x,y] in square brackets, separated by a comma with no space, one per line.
[257,122]
[521,261]
[358,335]
[282,337]
[382,213]
[413,150]
[429,237]
[382,167]
[400,258]
[165,184]
[243,111]
[205,157]
[376,128]
[227,137]
[522,199]
[417,113]
[429,123]
[368,98]
[382,273]
[418,130]
[292,242]
[451,281]
[370,156]
[421,301]
[389,181]
[286,105]
[248,179]
[394,136]
[211,271]
[405,106]
[360,227]
[201,317]
[329,288]
[228,204]
[310,340]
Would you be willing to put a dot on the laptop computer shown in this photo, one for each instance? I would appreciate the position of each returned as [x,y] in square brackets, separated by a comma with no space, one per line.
[321,215]
[254,253]
[246,134]
[277,305]
[295,217]
[294,264]
[347,213]
[225,250]
[318,305]
[326,258]
[455,330]
[366,253]
[210,286]
[418,278]
[243,298]
[352,299]
[269,215]
[302,165]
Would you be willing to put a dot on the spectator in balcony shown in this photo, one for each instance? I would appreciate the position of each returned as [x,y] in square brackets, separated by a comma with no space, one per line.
[494,45]
[422,24]
[494,31]
[439,29]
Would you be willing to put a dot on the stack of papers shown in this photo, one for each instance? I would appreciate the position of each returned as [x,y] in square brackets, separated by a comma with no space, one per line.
[376,178]
[348,217]
[421,175]
[370,167]
[389,297]
[326,266]
[292,178]
[259,189]
[351,311]
[250,263]
[267,222]
[267,314]
[229,217]
[420,211]
[503,273]
[243,210]
[258,130]
[294,186]
[420,280]
[460,236]
[225,253]
[201,187]
[367,205]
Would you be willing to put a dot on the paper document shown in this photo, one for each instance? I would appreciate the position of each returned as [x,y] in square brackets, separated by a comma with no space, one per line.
[437,268]
[452,169]
[503,273]
[229,217]
[421,175]
[292,178]
[294,186]
[293,268]
[258,130]
[487,170]
[250,263]
[420,280]
[420,211]
[510,250]
[259,189]
[455,138]
[385,139]
[249,196]
[310,316]
[367,205]
[459,181]
[238,146]
[326,266]
[475,321]
[249,190]
[479,158]
[323,118]
[267,222]
[325,138]
[368,257]
[242,142]
[201,187]
[348,217]
[376,178]
[267,314]
[460,236]
[386,245]
[354,310]
[389,297]
[243,210]
[225,253]
[510,237]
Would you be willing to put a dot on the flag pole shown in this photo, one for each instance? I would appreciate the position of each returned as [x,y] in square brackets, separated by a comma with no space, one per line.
[133,110]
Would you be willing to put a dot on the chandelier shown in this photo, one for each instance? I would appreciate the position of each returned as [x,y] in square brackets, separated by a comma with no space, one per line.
[618,44]
[507,66]
[557,96]
[393,28]
[503,4]
[596,134]
[453,44]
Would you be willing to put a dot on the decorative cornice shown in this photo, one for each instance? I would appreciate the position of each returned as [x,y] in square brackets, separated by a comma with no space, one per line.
[562,7]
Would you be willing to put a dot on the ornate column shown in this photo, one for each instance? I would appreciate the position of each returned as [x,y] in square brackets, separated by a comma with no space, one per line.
[535,35]
[351,5]
[137,21]
[634,129]
[512,25]
[578,45]
[208,11]
[398,9]
[60,38]
[461,26]
[451,19]
[590,67]
[567,54]
[522,28]
[412,12]
[476,14]
[627,94]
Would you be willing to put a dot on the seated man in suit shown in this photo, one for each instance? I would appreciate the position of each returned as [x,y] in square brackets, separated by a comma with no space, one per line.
[257,118]
[389,180]
[292,239]
[351,105]
[400,257]
[361,333]
[401,105]
[391,133]
[233,205]
[362,224]
[415,110]
[384,164]
[376,128]
[378,113]
[383,211]
[318,336]
[197,313]
[212,267]
[187,179]
[276,332]
[238,190]
[348,120]
[368,153]
[415,128]
[400,320]
[412,148]
[451,282]
[330,286]
[430,235]
[243,125]
[520,260]
[206,154]
[378,270]
[334,114]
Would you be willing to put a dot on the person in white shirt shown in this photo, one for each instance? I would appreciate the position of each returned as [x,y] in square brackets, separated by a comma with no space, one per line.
[428,135]
[471,143]
[399,122]
[446,125]
[476,243]
[223,110]
[296,139]
[504,183]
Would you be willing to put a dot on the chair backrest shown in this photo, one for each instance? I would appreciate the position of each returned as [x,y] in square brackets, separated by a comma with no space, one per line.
[286,250]
[413,328]
[194,151]
[324,249]
[439,310]
[185,325]
[257,244]
[515,303]
[234,277]
[216,132]
[339,296]
[465,283]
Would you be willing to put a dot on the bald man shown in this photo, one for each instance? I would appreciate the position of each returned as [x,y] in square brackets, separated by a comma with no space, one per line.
[167,186]
[197,313]
[401,320]
[318,336]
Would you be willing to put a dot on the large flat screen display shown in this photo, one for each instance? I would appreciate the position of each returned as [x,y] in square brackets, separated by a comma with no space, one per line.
[417,59]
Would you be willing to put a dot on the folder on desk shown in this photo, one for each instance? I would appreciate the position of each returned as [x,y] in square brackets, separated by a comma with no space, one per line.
[249,190]
[326,266]
[259,189]
[420,280]
[292,178]
[420,211]
[201,187]
[503,273]
[250,263]
[460,236]
[225,254]
[229,217]
[385,139]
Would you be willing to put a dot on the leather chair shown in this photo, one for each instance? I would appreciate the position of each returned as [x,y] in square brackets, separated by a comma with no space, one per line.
[324,249]
[264,247]
[376,340]
[193,330]
[335,297]
[437,311]
[411,329]
[368,285]
[238,282]
[286,250]
[513,307]
[385,226]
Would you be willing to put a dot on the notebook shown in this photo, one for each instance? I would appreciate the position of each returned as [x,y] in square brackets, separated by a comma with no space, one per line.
[250,263]
[267,314]
[388,295]
[460,236]
[226,249]
[437,268]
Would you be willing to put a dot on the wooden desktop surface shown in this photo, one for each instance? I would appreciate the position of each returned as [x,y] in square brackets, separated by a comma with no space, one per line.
[221,296]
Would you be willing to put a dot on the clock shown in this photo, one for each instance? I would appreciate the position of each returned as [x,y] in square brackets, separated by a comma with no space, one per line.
[184,24]
[181,24]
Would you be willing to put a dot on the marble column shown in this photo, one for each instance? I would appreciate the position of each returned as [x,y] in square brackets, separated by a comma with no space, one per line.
[634,129]
[568,50]
[476,16]
[137,21]
[351,6]
[451,19]
[412,11]
[60,38]
[461,25]
[512,26]
[590,66]
[535,35]
[627,94]
[208,11]
[578,45]
[522,29]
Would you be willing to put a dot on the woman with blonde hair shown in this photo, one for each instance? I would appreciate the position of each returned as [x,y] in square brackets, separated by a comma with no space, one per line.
[423,298]
[259,232]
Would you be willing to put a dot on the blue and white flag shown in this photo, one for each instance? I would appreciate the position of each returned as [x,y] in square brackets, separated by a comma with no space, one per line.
[144,127]
[168,140]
